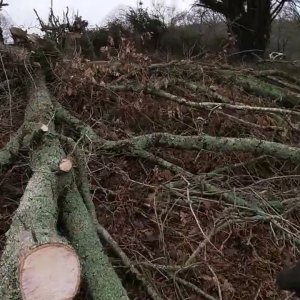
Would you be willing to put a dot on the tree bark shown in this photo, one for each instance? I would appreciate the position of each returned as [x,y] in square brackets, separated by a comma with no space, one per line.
[33,230]
[283,96]
[103,282]
[248,21]
[38,262]
[252,26]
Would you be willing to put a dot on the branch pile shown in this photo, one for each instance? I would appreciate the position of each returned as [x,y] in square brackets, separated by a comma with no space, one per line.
[188,172]
[52,241]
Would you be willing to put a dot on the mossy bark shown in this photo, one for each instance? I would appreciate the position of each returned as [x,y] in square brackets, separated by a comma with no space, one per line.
[34,222]
[103,283]
[264,89]
[206,142]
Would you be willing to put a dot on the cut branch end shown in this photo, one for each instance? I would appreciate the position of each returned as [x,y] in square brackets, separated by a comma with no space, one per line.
[50,271]
[65,165]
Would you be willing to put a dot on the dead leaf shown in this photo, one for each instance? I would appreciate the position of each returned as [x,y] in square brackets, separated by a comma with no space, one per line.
[94,81]
[183,218]
[150,199]
[165,175]
[150,236]
[227,286]
[69,91]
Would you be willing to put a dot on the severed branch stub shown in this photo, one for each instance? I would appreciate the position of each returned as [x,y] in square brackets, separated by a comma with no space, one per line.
[44,128]
[50,271]
[65,165]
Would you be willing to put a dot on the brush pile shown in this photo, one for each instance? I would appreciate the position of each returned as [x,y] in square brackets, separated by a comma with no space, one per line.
[192,166]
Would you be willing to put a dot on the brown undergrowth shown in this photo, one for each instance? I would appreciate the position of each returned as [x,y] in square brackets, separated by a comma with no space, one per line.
[157,227]
[159,218]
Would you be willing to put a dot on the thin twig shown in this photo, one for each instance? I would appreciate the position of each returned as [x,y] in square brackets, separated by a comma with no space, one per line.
[191,286]
[126,261]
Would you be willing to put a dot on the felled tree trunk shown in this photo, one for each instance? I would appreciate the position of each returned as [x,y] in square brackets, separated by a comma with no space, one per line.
[37,263]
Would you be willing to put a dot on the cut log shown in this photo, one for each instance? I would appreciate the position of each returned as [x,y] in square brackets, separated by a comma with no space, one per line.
[34,223]
[44,128]
[65,165]
[48,272]
[37,262]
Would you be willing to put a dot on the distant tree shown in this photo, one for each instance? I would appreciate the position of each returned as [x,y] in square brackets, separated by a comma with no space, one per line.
[1,30]
[249,21]
[142,22]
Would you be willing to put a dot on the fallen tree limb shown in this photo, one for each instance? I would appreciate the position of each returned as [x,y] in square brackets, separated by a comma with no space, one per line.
[229,168]
[83,130]
[277,73]
[202,105]
[263,89]
[165,65]
[191,286]
[206,142]
[137,151]
[208,92]
[209,188]
[250,124]
[283,84]
[137,145]
[34,224]
[126,261]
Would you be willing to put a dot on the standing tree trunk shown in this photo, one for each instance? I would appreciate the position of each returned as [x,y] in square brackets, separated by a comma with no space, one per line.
[249,21]
[252,26]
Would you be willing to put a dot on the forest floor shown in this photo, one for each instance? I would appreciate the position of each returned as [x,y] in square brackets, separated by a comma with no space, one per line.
[187,242]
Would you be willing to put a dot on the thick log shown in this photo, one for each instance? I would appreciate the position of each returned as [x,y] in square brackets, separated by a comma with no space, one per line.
[103,282]
[48,272]
[35,254]
[32,238]
[80,222]
[201,105]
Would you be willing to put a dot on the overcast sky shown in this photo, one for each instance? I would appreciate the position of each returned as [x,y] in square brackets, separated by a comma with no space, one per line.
[95,11]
